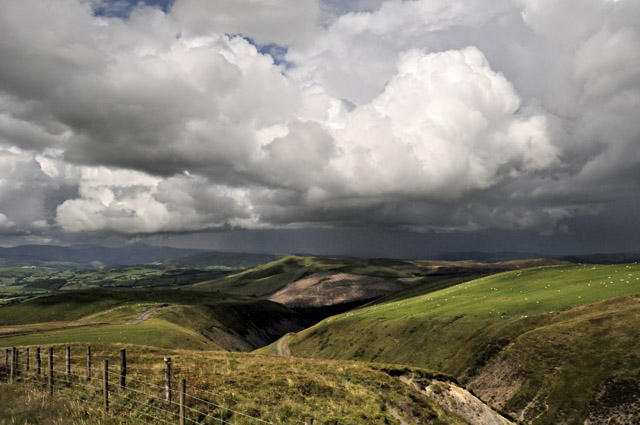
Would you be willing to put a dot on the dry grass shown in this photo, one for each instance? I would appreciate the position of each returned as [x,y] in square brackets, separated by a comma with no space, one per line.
[239,388]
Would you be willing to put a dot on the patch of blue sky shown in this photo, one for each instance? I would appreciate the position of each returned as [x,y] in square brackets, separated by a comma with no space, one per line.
[276,51]
[122,8]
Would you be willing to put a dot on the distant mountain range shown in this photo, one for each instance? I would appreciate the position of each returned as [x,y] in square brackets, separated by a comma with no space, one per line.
[95,256]
[35,255]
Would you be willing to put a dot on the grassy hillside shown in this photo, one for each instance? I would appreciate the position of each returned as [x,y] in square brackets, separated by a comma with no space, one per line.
[244,389]
[541,343]
[269,278]
[188,319]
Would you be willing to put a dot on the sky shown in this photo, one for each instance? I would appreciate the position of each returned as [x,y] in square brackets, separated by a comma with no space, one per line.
[350,127]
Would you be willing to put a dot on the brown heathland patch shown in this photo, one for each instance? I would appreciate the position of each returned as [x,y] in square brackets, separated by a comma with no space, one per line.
[330,287]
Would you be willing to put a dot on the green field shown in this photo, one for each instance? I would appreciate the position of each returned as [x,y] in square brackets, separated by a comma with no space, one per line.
[551,325]
[14,281]
[190,319]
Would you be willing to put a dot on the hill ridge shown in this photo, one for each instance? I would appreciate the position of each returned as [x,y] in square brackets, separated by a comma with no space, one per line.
[527,314]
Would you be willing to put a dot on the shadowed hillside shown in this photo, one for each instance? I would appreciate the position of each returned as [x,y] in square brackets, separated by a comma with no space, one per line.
[547,345]
[179,318]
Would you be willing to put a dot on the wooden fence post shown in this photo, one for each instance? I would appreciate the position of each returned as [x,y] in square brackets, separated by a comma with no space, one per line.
[14,363]
[26,356]
[183,402]
[106,385]
[38,362]
[68,364]
[6,357]
[16,366]
[50,370]
[123,368]
[89,363]
[167,380]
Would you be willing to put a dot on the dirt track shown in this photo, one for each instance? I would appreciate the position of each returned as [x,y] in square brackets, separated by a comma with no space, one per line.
[144,316]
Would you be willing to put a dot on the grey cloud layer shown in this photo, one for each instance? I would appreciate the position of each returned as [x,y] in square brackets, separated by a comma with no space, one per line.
[423,115]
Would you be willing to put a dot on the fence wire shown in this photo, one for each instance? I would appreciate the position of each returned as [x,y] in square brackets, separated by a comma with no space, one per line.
[128,400]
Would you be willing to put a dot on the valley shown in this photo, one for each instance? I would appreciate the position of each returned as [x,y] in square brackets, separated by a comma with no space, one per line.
[536,341]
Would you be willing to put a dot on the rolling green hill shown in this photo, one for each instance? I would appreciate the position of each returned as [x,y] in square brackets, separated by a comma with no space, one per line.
[183,318]
[547,344]
[271,277]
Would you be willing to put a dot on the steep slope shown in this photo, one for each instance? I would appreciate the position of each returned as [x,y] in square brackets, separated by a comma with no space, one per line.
[544,344]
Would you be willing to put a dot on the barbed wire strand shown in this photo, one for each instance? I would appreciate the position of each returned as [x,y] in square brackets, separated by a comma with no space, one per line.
[209,415]
[228,409]
[113,394]
[117,393]
[135,370]
[61,374]
[64,393]
[143,404]
[204,401]
[62,379]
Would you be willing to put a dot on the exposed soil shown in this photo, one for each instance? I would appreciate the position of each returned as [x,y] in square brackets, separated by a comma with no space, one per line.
[458,400]
[280,348]
[330,287]
[616,402]
[499,380]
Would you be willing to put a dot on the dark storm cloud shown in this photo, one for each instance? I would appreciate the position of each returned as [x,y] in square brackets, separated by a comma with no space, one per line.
[455,118]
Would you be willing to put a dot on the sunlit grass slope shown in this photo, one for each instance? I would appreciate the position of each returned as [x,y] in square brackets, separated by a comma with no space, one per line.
[244,389]
[155,332]
[189,320]
[553,323]
[517,293]
[268,278]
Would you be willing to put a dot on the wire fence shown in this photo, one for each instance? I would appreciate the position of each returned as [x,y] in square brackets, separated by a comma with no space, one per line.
[147,398]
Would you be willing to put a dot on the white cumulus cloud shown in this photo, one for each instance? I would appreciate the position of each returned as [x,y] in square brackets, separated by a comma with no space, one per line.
[426,114]
[445,124]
